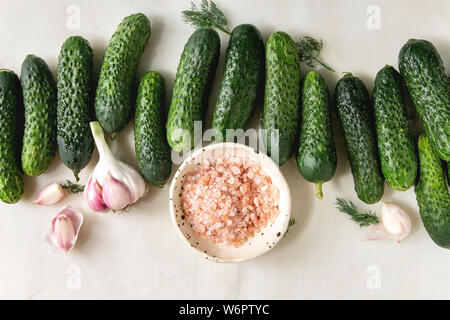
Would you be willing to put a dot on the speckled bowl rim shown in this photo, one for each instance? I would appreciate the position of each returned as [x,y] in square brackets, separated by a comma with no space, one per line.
[274,170]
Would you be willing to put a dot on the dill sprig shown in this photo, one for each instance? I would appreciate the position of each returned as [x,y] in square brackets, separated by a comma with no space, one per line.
[72,188]
[291,223]
[363,219]
[309,49]
[207,16]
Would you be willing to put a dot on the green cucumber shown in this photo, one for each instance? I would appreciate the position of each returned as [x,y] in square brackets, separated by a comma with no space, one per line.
[427,83]
[11,127]
[356,117]
[192,86]
[281,97]
[243,73]
[113,97]
[75,109]
[395,144]
[39,99]
[152,150]
[432,195]
[316,158]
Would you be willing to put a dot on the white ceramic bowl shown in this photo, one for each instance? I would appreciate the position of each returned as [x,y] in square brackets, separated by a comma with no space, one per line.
[255,246]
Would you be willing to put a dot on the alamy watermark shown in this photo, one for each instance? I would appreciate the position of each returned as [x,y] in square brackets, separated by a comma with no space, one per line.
[266,141]
[373,281]
[73,19]
[73,281]
[374,19]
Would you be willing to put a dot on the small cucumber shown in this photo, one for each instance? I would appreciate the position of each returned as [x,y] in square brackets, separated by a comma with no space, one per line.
[356,116]
[39,99]
[11,130]
[423,71]
[395,144]
[152,150]
[192,86]
[243,73]
[432,195]
[281,97]
[316,158]
[113,97]
[75,109]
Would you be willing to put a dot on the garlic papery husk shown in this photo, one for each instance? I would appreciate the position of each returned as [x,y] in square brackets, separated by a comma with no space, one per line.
[65,228]
[51,194]
[395,225]
[113,184]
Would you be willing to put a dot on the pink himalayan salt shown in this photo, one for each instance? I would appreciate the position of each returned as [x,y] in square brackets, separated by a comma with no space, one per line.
[228,200]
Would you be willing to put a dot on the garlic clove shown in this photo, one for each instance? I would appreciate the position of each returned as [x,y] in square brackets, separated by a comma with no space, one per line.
[115,193]
[396,220]
[51,194]
[93,196]
[65,228]
[395,225]
[64,232]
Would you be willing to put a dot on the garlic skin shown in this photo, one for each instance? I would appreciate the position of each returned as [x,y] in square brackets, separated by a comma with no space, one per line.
[51,194]
[113,184]
[64,229]
[395,225]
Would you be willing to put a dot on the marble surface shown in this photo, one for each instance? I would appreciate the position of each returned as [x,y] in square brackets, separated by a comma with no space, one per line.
[139,255]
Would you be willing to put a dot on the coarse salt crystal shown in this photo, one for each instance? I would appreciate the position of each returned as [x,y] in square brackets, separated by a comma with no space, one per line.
[228,199]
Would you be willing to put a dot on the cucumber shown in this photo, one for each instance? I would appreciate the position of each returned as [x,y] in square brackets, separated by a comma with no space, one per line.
[192,86]
[152,150]
[281,97]
[39,99]
[432,195]
[316,158]
[356,116]
[11,129]
[243,73]
[427,83]
[395,144]
[75,109]
[113,97]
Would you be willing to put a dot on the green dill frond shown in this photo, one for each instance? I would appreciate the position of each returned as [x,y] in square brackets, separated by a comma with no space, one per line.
[72,188]
[363,219]
[207,16]
[291,223]
[309,49]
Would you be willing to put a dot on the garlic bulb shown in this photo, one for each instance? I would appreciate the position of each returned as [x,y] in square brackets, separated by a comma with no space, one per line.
[113,184]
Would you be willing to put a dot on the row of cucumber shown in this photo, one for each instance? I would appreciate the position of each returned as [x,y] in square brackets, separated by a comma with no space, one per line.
[377,136]
[298,112]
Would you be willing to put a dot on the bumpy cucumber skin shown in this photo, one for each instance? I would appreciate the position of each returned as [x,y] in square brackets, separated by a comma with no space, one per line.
[355,114]
[113,97]
[11,127]
[316,158]
[39,99]
[281,95]
[75,109]
[427,83]
[152,149]
[192,86]
[395,144]
[432,195]
[243,73]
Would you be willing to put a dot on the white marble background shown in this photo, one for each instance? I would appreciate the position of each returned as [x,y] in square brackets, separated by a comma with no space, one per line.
[139,255]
